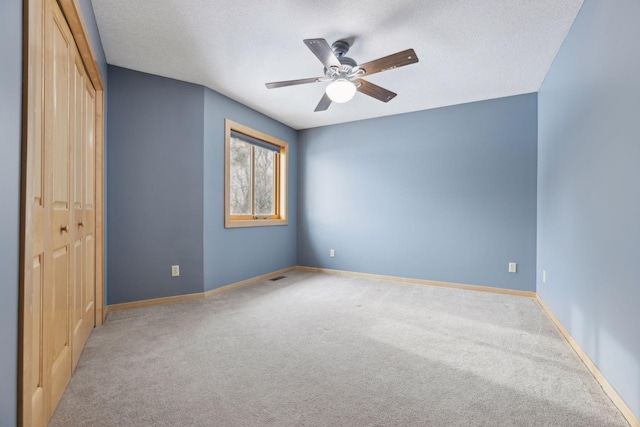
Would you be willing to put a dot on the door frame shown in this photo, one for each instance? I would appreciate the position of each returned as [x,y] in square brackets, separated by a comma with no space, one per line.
[32,113]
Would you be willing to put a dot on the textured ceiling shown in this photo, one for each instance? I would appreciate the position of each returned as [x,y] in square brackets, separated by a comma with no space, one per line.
[469,50]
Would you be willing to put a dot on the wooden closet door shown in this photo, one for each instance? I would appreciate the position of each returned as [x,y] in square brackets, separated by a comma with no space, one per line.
[89,225]
[83,211]
[34,374]
[79,333]
[58,276]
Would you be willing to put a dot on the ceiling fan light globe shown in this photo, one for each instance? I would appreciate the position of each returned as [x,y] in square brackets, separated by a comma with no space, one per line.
[341,90]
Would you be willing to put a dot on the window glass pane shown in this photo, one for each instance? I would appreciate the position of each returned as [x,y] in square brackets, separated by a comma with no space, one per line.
[265,189]
[240,178]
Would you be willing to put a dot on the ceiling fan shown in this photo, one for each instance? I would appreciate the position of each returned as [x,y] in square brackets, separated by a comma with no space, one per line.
[346,75]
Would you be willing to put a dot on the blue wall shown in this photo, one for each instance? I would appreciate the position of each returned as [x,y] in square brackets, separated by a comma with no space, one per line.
[589,189]
[10,143]
[155,176]
[165,168]
[232,255]
[447,194]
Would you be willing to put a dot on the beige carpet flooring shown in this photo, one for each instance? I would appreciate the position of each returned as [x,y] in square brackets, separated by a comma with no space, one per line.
[327,350]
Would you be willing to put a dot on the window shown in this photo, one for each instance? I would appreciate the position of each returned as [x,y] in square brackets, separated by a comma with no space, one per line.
[255,178]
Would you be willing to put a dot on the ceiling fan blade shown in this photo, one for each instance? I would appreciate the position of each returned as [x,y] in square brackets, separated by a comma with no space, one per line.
[375,91]
[323,51]
[390,62]
[274,85]
[323,104]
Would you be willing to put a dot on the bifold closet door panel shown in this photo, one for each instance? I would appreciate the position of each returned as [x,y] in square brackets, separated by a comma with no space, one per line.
[59,103]
[33,372]
[83,212]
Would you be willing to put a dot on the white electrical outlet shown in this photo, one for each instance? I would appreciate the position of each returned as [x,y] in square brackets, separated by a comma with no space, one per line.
[513,267]
[544,276]
[175,270]
[332,253]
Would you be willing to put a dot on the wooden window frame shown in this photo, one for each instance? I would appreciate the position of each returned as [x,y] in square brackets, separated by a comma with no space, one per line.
[281,178]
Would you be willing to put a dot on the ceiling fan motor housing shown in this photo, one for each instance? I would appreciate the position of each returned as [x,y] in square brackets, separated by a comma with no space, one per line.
[348,64]
[340,48]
